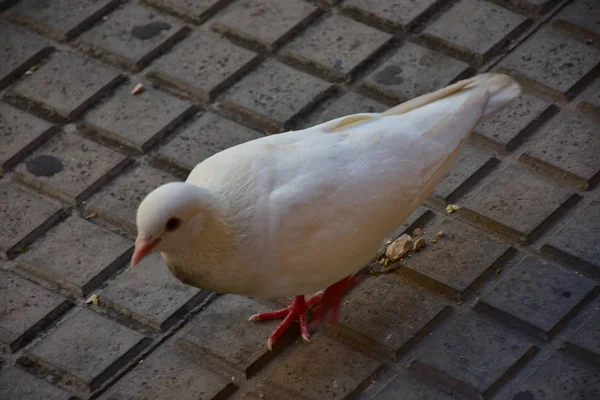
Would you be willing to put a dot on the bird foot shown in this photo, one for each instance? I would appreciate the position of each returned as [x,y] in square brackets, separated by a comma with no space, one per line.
[330,300]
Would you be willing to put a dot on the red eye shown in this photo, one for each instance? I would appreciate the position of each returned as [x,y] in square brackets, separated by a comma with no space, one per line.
[172,224]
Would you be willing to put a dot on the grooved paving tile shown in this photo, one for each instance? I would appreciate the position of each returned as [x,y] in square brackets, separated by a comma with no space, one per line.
[85,350]
[141,120]
[475,28]
[203,64]
[552,61]
[569,148]
[170,373]
[196,11]
[576,244]
[590,99]
[385,315]
[412,71]
[274,93]
[67,85]
[77,255]
[516,202]
[587,338]
[473,354]
[458,259]
[118,200]
[470,164]
[538,293]
[349,103]
[535,6]
[23,217]
[507,128]
[150,294]
[18,51]
[70,167]
[336,46]
[405,387]
[397,15]
[265,23]
[333,370]
[206,136]
[133,35]
[26,309]
[232,343]
[560,378]
[581,16]
[62,19]
[20,133]
[17,384]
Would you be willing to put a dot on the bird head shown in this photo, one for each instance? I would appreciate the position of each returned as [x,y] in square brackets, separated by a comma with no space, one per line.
[167,215]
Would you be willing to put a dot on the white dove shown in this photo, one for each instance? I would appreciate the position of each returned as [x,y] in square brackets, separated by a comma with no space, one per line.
[291,214]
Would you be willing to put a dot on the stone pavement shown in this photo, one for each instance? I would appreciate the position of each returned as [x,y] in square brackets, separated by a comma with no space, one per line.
[504,305]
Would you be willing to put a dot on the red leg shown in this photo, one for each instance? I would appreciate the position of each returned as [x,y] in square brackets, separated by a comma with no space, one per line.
[332,299]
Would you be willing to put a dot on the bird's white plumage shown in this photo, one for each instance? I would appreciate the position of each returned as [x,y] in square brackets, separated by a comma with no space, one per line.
[301,210]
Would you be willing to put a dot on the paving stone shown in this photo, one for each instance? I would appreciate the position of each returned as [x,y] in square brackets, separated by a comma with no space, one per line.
[23,217]
[406,387]
[418,219]
[590,99]
[333,370]
[473,355]
[118,201]
[541,294]
[67,85]
[393,15]
[203,64]
[17,384]
[516,203]
[385,317]
[4,4]
[265,24]
[131,36]
[475,29]
[26,309]
[412,71]
[150,294]
[459,260]
[231,342]
[569,149]
[552,61]
[19,51]
[559,378]
[206,136]
[85,350]
[587,339]
[77,255]
[336,46]
[471,164]
[62,19]
[534,6]
[510,126]
[20,133]
[349,103]
[70,167]
[581,17]
[576,243]
[274,93]
[196,11]
[170,373]
[138,121]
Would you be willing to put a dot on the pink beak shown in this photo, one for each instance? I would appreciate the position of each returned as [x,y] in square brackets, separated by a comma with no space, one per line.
[143,247]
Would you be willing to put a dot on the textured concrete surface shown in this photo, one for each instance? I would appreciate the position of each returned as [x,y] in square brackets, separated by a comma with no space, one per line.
[502,303]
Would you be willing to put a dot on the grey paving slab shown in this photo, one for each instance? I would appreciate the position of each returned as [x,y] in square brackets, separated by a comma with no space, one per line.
[196,11]
[150,294]
[66,85]
[586,341]
[581,17]
[138,121]
[17,384]
[70,167]
[410,388]
[393,15]
[20,133]
[203,65]
[349,103]
[77,255]
[26,310]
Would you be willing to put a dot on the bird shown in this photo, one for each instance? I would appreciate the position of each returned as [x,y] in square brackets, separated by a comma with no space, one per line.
[298,212]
